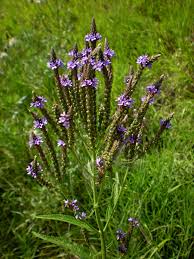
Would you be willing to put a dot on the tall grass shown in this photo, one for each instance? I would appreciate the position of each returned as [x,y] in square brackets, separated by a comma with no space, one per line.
[159,188]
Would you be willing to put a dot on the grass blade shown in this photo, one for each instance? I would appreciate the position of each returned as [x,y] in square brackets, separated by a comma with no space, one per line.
[73,248]
[67,219]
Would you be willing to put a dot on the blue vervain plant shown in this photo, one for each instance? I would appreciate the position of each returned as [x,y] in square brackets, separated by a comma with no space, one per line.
[77,129]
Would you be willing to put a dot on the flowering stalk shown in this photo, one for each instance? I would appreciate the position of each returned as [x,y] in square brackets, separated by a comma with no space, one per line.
[90,117]
[137,123]
[73,66]
[40,123]
[54,64]
[108,78]
[51,121]
[61,144]
[52,153]
[89,83]
[43,157]
[71,129]
[164,124]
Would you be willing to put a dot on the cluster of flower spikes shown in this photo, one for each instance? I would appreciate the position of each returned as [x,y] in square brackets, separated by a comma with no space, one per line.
[77,108]
[76,93]
[124,237]
[126,127]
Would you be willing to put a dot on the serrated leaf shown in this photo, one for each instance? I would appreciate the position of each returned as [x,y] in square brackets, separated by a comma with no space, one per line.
[68,219]
[74,248]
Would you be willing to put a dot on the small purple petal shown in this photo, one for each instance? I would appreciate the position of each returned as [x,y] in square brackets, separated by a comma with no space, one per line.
[81,215]
[109,53]
[144,61]
[35,140]
[73,64]
[33,169]
[120,234]
[134,222]
[93,37]
[121,129]
[79,76]
[61,143]
[125,101]
[152,89]
[38,102]
[74,53]
[98,66]
[65,81]
[90,83]
[64,119]
[99,162]
[66,203]
[144,99]
[165,123]
[40,123]
[55,64]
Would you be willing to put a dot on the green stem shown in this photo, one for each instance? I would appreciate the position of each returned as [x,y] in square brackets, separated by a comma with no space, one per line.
[120,192]
[97,214]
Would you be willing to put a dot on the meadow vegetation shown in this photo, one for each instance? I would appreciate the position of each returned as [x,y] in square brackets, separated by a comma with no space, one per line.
[159,189]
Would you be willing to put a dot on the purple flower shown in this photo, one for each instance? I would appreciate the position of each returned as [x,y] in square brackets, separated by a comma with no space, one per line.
[35,140]
[165,123]
[98,66]
[73,64]
[84,60]
[93,37]
[144,61]
[106,62]
[152,89]
[85,55]
[54,64]
[86,52]
[132,139]
[64,119]
[120,234]
[90,83]
[33,169]
[74,53]
[79,76]
[125,101]
[40,123]
[38,102]
[108,53]
[82,215]
[73,205]
[99,162]
[61,143]
[65,81]
[121,129]
[122,248]
[134,222]
[151,100]
[92,61]
[66,203]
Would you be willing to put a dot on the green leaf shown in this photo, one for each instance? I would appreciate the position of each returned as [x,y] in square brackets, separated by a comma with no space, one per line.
[68,219]
[74,248]
[116,189]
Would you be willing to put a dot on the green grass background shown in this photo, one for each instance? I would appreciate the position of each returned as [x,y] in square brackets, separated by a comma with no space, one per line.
[160,187]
